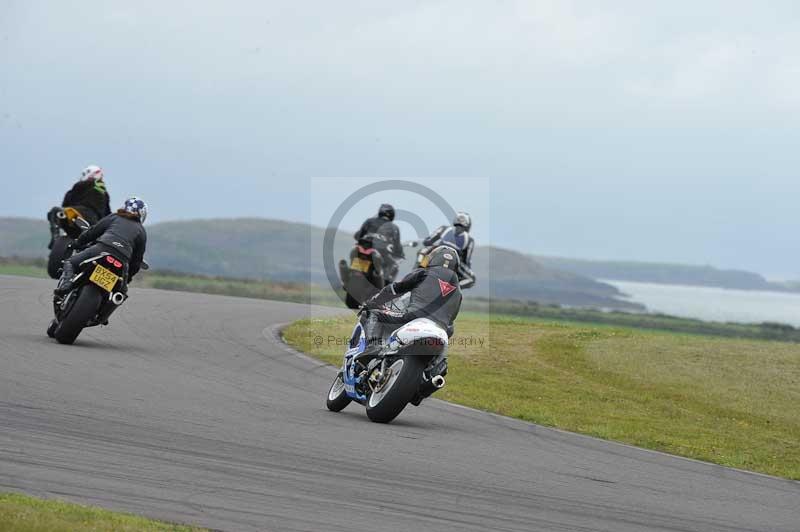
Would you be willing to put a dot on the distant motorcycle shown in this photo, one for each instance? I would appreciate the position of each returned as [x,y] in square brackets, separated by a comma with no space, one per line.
[385,375]
[99,288]
[371,267]
[66,224]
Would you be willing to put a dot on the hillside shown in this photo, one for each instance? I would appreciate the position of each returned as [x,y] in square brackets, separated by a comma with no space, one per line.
[517,276]
[663,273]
[23,237]
[257,248]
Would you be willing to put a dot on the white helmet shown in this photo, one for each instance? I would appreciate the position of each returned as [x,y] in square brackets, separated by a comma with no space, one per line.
[137,207]
[464,220]
[92,172]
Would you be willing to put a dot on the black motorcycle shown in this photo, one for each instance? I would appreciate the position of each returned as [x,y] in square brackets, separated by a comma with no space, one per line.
[372,266]
[99,287]
[362,276]
[66,224]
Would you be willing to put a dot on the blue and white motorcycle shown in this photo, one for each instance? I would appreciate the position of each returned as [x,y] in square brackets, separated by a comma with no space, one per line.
[386,373]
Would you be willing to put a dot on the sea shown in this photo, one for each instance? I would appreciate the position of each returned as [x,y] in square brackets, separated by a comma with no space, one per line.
[714,304]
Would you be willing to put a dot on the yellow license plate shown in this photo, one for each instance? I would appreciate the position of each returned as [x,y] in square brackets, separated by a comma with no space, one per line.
[360,265]
[104,278]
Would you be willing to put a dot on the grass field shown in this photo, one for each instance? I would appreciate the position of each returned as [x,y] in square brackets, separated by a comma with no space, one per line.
[729,401]
[20,513]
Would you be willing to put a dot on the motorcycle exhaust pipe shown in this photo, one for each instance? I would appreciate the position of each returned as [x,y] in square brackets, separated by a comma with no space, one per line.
[117,298]
[428,387]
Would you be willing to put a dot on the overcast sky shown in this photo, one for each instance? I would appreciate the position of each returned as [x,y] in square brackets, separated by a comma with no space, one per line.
[629,130]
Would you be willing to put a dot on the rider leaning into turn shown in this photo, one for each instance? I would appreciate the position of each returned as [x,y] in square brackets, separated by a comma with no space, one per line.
[435,293]
[456,236]
[120,233]
[88,196]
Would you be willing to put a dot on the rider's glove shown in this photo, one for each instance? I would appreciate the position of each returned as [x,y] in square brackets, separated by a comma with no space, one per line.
[372,303]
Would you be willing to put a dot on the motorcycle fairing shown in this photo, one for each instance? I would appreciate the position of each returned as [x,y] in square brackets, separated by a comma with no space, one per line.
[358,344]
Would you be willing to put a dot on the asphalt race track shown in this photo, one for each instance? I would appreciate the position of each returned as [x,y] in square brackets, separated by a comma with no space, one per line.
[188,409]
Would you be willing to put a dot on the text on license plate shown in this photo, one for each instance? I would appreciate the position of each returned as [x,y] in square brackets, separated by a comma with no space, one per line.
[104,278]
[360,265]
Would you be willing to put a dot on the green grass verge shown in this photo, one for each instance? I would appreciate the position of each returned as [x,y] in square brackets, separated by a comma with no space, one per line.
[182,282]
[24,267]
[305,293]
[728,401]
[20,513]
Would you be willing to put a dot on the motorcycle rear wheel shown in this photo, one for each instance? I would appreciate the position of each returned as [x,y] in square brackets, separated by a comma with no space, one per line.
[386,403]
[84,309]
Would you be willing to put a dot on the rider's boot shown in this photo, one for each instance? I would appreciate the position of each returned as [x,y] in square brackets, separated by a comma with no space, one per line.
[65,282]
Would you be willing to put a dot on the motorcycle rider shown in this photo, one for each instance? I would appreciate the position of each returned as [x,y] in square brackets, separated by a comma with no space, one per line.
[88,196]
[434,288]
[381,233]
[120,233]
[457,237]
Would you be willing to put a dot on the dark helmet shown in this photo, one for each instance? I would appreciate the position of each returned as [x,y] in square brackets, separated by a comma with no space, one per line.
[386,211]
[464,220]
[444,256]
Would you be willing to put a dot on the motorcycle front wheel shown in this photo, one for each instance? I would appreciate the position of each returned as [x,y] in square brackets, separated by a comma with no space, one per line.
[51,329]
[337,397]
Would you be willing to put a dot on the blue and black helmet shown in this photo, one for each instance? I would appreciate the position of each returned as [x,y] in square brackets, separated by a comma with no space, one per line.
[137,207]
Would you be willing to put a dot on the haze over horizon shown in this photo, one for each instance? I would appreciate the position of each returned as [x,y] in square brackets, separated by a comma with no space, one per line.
[617,131]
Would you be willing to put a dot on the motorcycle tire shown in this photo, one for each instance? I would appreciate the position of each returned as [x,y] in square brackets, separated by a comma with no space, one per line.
[337,397]
[58,254]
[78,315]
[386,403]
[51,329]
